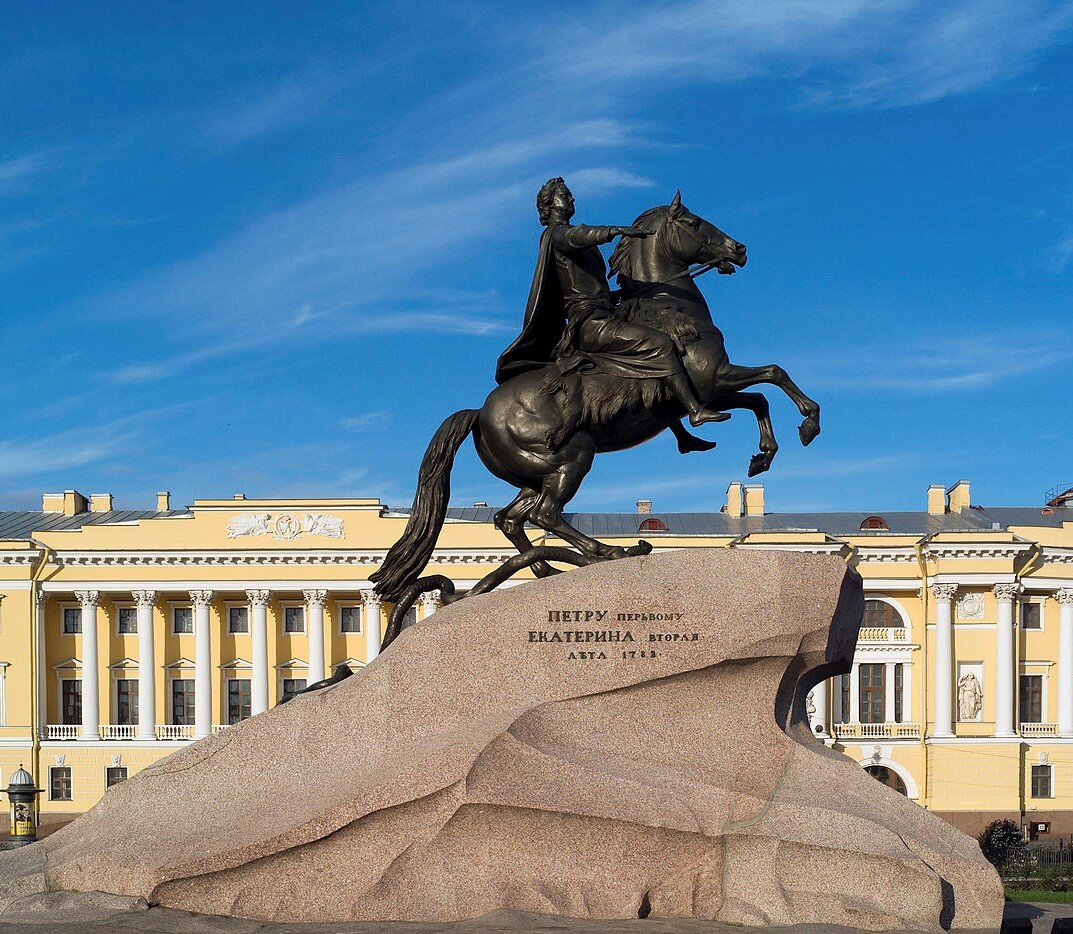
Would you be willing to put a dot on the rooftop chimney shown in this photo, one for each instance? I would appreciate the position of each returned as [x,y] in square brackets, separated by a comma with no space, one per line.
[936,499]
[480,504]
[163,501]
[74,503]
[100,502]
[754,499]
[958,496]
[644,507]
[733,505]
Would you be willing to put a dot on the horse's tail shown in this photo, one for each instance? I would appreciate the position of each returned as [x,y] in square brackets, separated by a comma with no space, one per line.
[409,555]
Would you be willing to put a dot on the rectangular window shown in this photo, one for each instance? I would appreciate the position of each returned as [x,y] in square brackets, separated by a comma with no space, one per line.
[899,675]
[350,619]
[847,714]
[72,620]
[182,619]
[873,693]
[292,686]
[126,697]
[1041,781]
[182,701]
[59,783]
[294,619]
[238,619]
[128,620]
[1031,615]
[71,692]
[238,699]
[114,774]
[1031,698]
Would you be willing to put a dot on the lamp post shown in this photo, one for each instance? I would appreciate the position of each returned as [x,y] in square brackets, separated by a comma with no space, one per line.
[22,796]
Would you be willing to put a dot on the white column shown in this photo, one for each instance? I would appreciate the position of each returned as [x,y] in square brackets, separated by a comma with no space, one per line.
[259,631]
[944,658]
[888,692]
[1004,673]
[855,694]
[146,664]
[91,690]
[430,603]
[203,664]
[315,614]
[371,601]
[907,692]
[820,723]
[1065,661]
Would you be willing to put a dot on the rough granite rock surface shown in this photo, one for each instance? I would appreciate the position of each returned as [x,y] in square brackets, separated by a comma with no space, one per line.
[472,768]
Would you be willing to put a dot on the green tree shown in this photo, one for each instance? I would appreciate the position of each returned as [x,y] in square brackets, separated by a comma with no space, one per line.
[1002,842]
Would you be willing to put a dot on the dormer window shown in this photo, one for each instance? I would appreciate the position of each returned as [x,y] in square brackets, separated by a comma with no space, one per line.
[653,525]
[875,524]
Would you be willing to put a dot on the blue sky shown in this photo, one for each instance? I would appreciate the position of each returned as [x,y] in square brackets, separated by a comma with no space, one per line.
[268,247]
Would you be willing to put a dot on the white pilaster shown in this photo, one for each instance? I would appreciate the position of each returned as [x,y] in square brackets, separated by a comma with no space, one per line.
[146,664]
[944,658]
[855,694]
[1065,661]
[42,670]
[315,613]
[836,692]
[259,632]
[202,599]
[91,685]
[371,601]
[1004,645]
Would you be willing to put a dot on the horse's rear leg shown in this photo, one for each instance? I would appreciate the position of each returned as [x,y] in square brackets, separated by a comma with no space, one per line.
[757,403]
[511,522]
[734,377]
[559,488]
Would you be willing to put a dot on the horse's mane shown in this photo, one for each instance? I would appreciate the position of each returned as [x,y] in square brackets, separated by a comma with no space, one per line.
[622,257]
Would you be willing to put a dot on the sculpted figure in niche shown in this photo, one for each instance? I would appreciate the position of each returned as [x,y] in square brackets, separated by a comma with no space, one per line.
[970,697]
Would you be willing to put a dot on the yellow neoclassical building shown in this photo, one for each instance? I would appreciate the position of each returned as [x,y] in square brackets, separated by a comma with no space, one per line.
[127,633]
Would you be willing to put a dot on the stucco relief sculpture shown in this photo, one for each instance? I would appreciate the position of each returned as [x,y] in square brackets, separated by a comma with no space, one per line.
[594,370]
[970,697]
[285,527]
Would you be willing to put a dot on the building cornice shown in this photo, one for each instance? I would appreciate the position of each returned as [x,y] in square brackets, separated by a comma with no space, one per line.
[987,550]
[274,557]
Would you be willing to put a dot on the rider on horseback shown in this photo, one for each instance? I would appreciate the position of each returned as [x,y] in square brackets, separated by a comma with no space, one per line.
[572,319]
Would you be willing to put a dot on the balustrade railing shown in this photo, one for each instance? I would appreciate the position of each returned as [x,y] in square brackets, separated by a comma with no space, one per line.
[877,730]
[118,730]
[62,731]
[881,634]
[174,731]
[1039,729]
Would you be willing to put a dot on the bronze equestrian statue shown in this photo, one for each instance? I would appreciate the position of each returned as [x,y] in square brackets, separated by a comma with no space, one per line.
[590,375]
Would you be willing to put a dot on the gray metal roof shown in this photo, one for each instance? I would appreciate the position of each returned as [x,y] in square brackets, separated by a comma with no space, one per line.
[22,525]
[840,524]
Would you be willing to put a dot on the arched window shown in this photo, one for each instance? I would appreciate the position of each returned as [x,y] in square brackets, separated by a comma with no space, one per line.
[887,777]
[878,613]
[875,524]
[653,525]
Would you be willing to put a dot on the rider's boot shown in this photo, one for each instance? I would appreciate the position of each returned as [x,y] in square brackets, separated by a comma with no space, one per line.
[688,443]
[679,384]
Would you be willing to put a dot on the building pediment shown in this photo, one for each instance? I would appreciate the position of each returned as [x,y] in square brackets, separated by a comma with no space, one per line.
[292,664]
[181,664]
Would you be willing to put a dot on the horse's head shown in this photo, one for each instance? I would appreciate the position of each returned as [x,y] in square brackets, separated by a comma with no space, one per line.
[680,239]
[692,239]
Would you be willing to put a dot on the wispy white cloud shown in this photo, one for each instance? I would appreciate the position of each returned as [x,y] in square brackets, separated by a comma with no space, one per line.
[16,171]
[967,364]
[365,422]
[64,450]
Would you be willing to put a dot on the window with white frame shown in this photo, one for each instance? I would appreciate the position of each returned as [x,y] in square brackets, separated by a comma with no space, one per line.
[59,783]
[126,701]
[239,697]
[1031,615]
[71,701]
[292,686]
[238,619]
[350,619]
[127,620]
[72,620]
[1031,698]
[182,619]
[1042,781]
[114,774]
[182,701]
[294,619]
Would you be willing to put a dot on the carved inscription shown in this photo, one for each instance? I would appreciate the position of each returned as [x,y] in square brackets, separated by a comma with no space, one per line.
[593,644]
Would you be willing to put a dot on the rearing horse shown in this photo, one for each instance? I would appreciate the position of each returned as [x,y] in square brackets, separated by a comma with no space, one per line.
[540,430]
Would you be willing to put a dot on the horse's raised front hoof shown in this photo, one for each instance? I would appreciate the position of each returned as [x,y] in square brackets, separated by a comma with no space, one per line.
[761,462]
[808,429]
[641,548]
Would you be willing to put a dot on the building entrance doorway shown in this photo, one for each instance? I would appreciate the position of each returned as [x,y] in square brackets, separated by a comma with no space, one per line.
[888,777]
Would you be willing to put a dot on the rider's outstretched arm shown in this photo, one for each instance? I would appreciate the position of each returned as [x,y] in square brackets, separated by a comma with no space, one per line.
[579,236]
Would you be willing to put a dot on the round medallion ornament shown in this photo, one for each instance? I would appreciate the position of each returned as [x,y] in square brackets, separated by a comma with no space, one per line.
[287,527]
